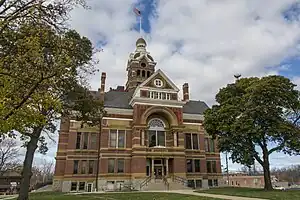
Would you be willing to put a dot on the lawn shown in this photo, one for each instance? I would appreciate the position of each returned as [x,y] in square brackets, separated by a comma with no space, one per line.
[115,196]
[258,193]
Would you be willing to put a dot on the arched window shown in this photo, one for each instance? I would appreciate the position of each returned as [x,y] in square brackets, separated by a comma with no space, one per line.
[148,74]
[138,72]
[143,73]
[156,133]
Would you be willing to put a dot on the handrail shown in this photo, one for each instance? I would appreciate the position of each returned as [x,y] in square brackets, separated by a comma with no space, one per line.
[180,179]
[145,182]
[166,182]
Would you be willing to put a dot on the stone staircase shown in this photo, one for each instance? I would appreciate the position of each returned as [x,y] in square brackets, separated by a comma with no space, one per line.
[172,183]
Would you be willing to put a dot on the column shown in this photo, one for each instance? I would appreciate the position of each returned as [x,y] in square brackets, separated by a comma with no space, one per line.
[175,139]
[143,138]
[152,167]
[167,166]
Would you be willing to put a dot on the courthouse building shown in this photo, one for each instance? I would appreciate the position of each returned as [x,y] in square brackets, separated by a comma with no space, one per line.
[150,138]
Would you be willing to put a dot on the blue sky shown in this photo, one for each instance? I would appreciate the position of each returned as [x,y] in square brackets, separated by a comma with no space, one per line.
[203,42]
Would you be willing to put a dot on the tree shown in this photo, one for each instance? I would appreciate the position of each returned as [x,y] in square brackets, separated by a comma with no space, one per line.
[253,116]
[58,62]
[17,83]
[9,153]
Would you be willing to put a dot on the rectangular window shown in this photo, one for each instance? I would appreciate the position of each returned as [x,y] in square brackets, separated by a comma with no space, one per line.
[121,138]
[208,166]
[210,183]
[85,140]
[113,138]
[83,166]
[78,140]
[188,139]
[191,141]
[177,137]
[111,165]
[216,182]
[75,167]
[93,141]
[152,138]
[211,145]
[214,166]
[206,145]
[117,138]
[160,138]
[189,166]
[197,165]
[91,166]
[195,141]
[73,186]
[121,163]
[81,185]
[191,183]
[198,183]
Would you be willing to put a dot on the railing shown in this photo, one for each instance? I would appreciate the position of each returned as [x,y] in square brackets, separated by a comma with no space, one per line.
[180,180]
[145,182]
[165,180]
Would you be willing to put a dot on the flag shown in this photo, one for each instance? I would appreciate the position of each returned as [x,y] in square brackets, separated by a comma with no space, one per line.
[137,11]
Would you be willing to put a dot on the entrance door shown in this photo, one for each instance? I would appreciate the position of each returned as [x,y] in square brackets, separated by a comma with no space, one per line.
[158,172]
[89,187]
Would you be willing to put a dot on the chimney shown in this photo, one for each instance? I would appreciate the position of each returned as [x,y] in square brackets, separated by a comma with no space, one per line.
[185,90]
[102,89]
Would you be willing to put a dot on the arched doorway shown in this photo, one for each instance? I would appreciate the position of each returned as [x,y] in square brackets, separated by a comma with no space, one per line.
[156,133]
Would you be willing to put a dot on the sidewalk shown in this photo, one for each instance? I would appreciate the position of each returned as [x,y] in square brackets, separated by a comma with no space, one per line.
[190,192]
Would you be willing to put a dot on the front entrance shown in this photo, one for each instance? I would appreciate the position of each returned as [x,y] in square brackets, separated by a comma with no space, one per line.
[158,173]
[89,187]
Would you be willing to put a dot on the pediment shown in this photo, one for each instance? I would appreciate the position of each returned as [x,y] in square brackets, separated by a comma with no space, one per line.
[157,77]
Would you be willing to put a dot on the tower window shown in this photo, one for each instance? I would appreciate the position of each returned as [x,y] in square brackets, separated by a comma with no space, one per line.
[148,74]
[143,64]
[138,72]
[143,73]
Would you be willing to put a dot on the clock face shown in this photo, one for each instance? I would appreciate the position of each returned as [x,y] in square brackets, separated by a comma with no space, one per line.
[158,83]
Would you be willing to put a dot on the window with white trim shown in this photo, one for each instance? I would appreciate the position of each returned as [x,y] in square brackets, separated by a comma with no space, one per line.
[159,95]
[117,138]
[156,133]
[158,83]
[191,141]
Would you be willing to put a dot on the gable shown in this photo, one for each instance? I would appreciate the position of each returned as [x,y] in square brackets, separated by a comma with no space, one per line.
[159,76]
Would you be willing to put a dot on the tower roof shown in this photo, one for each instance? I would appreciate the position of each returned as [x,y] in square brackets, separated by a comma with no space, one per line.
[141,42]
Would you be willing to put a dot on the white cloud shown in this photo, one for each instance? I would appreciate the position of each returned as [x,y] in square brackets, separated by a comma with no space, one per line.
[218,38]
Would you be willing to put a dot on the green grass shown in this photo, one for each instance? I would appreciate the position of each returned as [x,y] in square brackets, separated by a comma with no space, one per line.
[258,193]
[115,196]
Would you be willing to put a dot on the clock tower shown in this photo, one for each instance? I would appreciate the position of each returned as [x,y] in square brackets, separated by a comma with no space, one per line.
[140,65]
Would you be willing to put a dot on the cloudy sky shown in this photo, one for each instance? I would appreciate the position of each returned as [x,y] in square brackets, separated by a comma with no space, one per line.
[202,42]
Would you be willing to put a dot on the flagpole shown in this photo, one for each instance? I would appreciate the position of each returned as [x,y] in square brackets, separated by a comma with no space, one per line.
[141,25]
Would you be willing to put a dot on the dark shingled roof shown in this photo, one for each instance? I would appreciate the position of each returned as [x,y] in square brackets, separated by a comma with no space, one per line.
[195,107]
[117,99]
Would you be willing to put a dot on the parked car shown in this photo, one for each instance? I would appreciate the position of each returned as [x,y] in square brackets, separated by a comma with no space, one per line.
[278,188]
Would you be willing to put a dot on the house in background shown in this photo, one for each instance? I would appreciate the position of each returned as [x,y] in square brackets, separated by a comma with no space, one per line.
[150,138]
[10,182]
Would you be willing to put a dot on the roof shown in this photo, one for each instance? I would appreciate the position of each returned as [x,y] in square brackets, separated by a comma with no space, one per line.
[195,107]
[117,99]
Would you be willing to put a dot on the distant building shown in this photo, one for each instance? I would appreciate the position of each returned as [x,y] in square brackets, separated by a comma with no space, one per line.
[10,182]
[254,181]
[150,137]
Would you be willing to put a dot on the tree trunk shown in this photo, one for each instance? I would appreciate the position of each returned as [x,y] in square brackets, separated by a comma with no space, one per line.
[267,174]
[27,165]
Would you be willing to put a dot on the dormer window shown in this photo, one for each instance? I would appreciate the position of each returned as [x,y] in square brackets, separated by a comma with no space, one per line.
[158,83]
